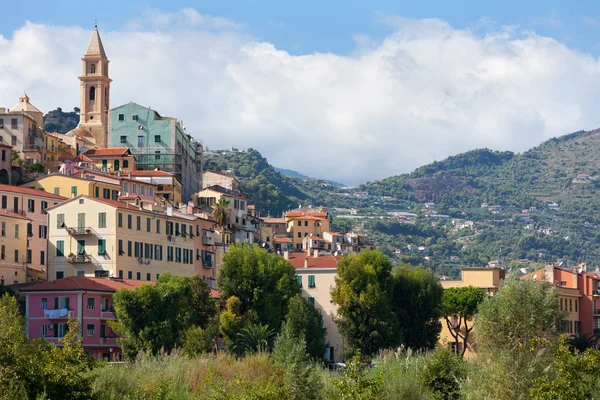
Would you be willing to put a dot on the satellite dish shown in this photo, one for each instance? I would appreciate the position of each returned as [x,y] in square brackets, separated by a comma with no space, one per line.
[140,127]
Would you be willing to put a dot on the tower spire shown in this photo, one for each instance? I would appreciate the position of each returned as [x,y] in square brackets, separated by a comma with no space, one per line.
[95,47]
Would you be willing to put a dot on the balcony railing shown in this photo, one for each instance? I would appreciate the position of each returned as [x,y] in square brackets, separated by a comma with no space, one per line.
[107,314]
[79,258]
[207,241]
[80,231]
[30,147]
[108,341]
[57,314]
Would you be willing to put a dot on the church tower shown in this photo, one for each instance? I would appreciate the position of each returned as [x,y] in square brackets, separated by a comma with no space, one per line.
[95,91]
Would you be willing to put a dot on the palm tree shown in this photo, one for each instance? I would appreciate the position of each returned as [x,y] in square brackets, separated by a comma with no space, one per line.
[582,341]
[221,211]
[253,338]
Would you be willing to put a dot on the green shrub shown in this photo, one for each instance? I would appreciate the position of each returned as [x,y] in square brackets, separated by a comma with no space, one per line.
[443,374]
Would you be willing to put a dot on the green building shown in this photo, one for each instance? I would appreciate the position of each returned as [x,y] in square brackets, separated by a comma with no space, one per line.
[158,143]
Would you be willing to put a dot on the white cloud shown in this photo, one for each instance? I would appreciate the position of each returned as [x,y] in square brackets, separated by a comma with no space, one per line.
[424,92]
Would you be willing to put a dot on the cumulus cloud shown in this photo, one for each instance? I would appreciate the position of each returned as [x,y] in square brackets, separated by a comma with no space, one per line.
[424,92]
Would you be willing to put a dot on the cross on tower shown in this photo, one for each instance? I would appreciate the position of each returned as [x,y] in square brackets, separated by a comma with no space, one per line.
[95,22]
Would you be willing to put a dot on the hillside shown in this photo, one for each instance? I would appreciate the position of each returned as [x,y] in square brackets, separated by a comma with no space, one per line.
[295,174]
[59,121]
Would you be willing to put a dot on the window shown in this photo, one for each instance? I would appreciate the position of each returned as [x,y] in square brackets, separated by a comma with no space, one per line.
[29,255]
[142,190]
[60,274]
[91,303]
[311,282]
[16,205]
[299,235]
[80,273]
[121,252]
[3,228]
[169,253]
[148,224]
[106,194]
[129,222]
[120,274]
[60,248]
[561,304]
[80,247]
[134,188]
[158,252]
[299,280]
[576,305]
[158,226]
[570,305]
[90,329]
[178,254]
[140,141]
[93,93]
[44,303]
[44,206]
[148,276]
[13,139]
[30,205]
[311,300]
[138,223]
[60,220]
[44,331]
[16,230]
[138,276]
[3,155]
[157,155]
[30,230]
[92,68]
[74,190]
[299,223]
[134,117]
[305,223]
[129,248]
[3,252]
[42,257]
[14,124]
[129,275]
[102,330]
[57,191]
[4,202]
[123,138]
[120,220]
[125,163]
[43,231]
[101,247]
[102,220]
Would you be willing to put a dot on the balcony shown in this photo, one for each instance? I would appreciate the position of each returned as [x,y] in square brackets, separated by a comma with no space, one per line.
[80,231]
[79,259]
[207,241]
[108,341]
[61,313]
[596,292]
[107,314]
[31,147]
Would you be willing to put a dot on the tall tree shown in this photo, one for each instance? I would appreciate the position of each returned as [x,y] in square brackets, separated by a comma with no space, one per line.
[221,211]
[416,301]
[362,292]
[155,317]
[264,283]
[304,320]
[459,305]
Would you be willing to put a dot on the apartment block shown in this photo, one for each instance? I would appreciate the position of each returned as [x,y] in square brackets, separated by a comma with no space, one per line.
[218,178]
[13,248]
[167,186]
[22,128]
[306,222]
[95,237]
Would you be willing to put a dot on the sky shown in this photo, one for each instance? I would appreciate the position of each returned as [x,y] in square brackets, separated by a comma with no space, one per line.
[350,91]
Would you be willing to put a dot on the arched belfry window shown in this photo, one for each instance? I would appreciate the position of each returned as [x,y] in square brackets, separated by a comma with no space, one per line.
[93,69]
[93,93]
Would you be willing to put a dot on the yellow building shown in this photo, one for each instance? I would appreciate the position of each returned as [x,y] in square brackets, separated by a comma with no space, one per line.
[75,185]
[303,224]
[117,159]
[13,248]
[488,279]
[99,237]
[52,151]
[316,276]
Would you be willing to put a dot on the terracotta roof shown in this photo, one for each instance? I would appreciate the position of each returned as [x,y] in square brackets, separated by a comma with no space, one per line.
[297,261]
[7,146]
[215,294]
[306,217]
[274,220]
[30,192]
[77,283]
[334,233]
[282,240]
[221,189]
[251,207]
[81,132]
[82,158]
[315,238]
[320,214]
[148,173]
[4,213]
[117,151]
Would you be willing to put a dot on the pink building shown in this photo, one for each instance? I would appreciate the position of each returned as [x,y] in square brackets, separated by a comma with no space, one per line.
[49,305]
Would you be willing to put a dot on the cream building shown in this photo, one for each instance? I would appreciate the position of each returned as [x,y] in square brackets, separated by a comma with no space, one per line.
[22,128]
[13,248]
[100,237]
[316,276]
[217,178]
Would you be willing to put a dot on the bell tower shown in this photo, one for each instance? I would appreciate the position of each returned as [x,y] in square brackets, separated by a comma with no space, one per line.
[95,91]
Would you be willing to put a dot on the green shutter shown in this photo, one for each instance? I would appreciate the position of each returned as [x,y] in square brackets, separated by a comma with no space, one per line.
[56,303]
[68,305]
[299,280]
[311,281]
[311,300]
[97,191]
[60,248]
[101,246]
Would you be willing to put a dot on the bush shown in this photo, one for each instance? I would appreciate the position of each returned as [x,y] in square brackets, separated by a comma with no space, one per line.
[443,374]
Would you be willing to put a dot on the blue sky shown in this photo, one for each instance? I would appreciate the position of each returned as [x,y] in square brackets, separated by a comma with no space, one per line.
[343,90]
[329,26]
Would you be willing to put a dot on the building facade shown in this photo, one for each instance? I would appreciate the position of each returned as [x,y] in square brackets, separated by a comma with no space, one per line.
[218,178]
[105,238]
[22,128]
[158,143]
[168,187]
[13,247]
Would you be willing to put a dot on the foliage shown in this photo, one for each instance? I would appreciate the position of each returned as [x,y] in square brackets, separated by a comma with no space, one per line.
[61,122]
[6,289]
[416,299]
[365,315]
[221,211]
[357,384]
[521,311]
[582,341]
[231,321]
[155,317]
[264,283]
[254,338]
[444,374]
[571,375]
[35,167]
[304,320]
[459,305]
[198,340]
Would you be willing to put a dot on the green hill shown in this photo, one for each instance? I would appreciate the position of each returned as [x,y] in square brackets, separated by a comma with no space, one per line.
[61,122]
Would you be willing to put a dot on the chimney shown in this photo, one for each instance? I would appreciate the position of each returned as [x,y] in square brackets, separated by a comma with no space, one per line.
[170,210]
[316,253]
[190,207]
[306,262]
[286,255]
